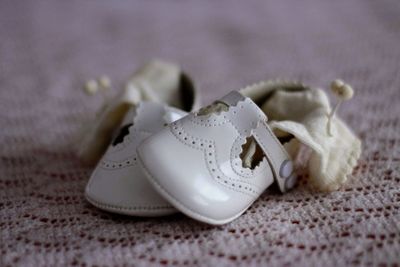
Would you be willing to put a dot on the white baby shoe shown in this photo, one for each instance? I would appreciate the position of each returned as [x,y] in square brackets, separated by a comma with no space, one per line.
[213,164]
[155,96]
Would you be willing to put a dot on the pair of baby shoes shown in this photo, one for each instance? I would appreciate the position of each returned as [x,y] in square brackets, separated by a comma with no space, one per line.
[165,155]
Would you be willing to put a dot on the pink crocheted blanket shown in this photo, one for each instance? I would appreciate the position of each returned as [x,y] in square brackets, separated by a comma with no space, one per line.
[48,48]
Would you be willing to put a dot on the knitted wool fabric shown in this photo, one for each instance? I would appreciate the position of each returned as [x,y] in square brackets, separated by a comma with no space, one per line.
[303,113]
[49,48]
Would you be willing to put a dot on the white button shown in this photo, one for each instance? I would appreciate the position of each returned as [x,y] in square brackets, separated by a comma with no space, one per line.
[291,182]
[286,169]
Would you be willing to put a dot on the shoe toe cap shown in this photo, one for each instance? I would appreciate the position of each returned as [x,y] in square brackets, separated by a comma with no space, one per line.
[125,191]
[181,175]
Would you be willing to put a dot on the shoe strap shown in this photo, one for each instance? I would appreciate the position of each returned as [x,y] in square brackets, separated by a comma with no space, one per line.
[278,158]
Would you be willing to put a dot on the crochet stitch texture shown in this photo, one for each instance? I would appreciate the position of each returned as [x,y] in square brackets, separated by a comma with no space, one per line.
[48,48]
